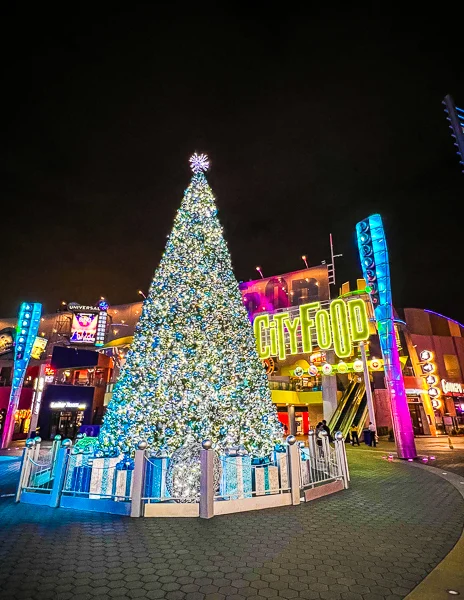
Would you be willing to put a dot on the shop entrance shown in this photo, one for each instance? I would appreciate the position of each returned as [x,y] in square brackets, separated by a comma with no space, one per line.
[66,423]
[416,418]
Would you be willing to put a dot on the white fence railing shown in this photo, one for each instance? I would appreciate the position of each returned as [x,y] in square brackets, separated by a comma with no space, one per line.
[151,484]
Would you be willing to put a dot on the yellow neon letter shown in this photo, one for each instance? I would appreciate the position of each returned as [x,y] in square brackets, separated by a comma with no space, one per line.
[273,336]
[359,320]
[279,318]
[306,324]
[292,326]
[340,329]
[260,322]
[323,330]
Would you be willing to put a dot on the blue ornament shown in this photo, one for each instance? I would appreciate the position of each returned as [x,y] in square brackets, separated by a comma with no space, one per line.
[169,431]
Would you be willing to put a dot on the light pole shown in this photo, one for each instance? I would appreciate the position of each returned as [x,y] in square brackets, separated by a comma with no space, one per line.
[367,383]
[304,259]
[142,294]
[260,272]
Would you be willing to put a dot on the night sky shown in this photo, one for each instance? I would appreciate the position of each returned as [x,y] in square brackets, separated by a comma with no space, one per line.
[311,122]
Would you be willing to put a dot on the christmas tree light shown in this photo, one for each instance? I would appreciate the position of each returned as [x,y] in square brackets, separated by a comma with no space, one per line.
[193,368]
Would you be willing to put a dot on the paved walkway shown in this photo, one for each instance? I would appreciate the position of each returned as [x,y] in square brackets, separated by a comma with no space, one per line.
[375,541]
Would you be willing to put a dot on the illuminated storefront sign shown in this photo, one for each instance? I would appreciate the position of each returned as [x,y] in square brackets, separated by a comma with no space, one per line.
[75,307]
[449,387]
[64,405]
[337,328]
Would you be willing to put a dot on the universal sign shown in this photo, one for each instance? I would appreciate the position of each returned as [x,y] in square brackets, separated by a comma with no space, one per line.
[338,327]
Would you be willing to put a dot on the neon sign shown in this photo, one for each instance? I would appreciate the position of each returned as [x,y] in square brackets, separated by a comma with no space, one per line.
[26,333]
[338,327]
[449,387]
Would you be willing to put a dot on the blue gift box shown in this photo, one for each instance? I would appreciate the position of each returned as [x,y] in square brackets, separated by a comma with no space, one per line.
[155,477]
[80,479]
[236,477]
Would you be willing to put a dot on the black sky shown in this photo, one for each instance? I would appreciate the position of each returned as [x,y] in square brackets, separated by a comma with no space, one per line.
[312,122]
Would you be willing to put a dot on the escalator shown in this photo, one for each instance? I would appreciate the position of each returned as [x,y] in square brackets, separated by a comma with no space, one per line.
[361,415]
[337,417]
[351,409]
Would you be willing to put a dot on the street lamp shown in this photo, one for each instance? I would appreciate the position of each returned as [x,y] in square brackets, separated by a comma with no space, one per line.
[142,294]
[259,271]
[305,261]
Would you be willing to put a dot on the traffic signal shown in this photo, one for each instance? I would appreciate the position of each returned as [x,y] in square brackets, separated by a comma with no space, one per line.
[455,116]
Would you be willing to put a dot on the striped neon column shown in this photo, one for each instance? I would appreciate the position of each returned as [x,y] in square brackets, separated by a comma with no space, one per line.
[373,254]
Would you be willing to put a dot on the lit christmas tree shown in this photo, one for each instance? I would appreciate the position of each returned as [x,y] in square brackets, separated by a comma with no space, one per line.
[193,367]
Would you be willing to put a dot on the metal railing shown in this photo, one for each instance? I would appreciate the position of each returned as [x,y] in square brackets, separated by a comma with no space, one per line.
[86,478]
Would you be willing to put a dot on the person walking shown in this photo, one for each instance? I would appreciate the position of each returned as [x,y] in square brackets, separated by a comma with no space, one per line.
[325,427]
[318,430]
[373,434]
[354,435]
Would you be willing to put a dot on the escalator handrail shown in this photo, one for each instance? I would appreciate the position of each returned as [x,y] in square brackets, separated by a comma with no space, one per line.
[336,416]
[349,400]
[352,410]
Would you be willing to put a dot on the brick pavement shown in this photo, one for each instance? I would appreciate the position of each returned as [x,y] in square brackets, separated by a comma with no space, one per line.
[375,541]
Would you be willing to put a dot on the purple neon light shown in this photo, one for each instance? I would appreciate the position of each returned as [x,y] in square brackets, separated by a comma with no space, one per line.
[444,317]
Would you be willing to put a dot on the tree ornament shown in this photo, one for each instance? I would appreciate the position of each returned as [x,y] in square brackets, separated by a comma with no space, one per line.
[183,475]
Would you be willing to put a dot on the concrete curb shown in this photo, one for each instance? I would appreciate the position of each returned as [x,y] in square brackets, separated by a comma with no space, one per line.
[449,573]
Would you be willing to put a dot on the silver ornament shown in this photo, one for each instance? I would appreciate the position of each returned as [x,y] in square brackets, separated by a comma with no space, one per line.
[183,475]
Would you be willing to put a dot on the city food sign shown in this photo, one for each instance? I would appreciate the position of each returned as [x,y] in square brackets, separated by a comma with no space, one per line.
[296,331]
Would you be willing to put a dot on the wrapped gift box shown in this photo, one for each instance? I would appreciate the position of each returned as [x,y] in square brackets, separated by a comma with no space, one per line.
[236,477]
[281,460]
[155,477]
[80,479]
[305,474]
[122,482]
[103,474]
[78,473]
[266,480]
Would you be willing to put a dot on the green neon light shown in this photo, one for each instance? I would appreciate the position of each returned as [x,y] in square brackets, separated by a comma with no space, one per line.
[273,336]
[260,322]
[279,320]
[292,327]
[323,329]
[359,320]
[306,324]
[340,329]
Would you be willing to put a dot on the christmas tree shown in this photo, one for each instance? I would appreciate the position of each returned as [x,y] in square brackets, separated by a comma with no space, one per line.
[193,368]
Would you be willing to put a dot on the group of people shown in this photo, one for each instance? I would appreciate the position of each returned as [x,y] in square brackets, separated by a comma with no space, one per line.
[355,438]
[322,426]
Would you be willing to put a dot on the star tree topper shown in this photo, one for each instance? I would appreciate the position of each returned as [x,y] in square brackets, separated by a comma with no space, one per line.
[199,163]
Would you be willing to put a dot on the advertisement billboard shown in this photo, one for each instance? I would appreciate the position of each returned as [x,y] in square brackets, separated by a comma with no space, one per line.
[6,341]
[39,347]
[84,328]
